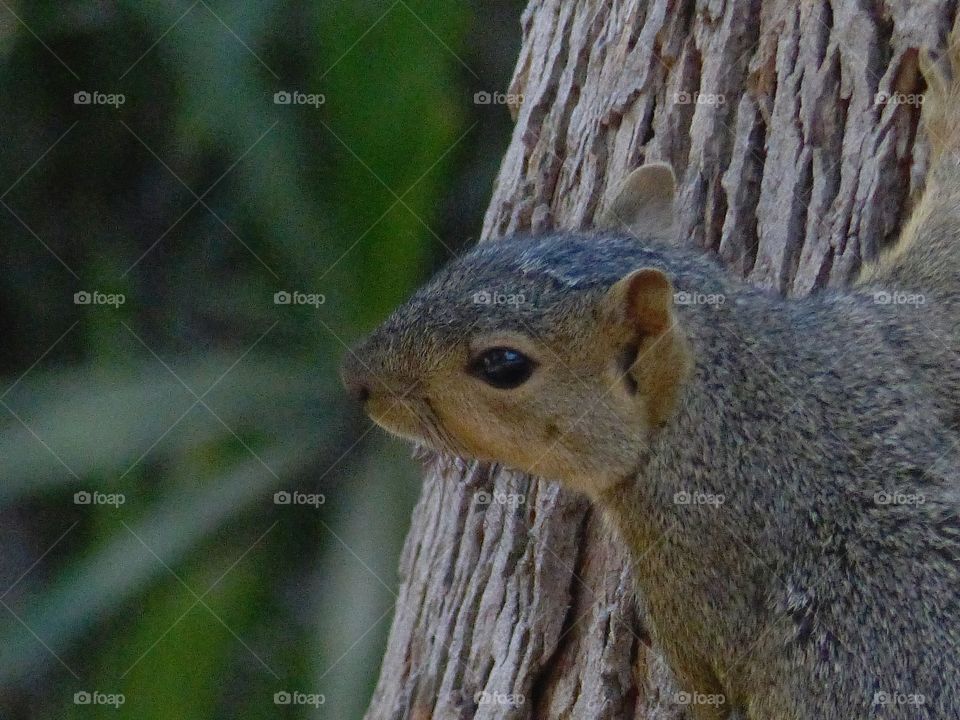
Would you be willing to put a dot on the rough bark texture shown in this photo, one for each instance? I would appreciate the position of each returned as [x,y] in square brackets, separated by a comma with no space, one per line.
[789,167]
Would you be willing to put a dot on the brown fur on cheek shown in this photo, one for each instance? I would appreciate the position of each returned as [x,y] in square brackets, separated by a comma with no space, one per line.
[548,446]
[469,422]
[502,432]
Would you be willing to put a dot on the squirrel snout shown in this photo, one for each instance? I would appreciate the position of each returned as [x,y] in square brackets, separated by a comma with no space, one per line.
[354,379]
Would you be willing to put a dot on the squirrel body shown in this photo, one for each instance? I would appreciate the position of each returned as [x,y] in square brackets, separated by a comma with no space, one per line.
[784,472]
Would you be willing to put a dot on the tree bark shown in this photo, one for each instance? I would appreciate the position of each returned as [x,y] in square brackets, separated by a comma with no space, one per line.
[790,167]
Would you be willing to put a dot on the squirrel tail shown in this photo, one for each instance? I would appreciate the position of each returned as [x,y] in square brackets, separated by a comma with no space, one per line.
[927,256]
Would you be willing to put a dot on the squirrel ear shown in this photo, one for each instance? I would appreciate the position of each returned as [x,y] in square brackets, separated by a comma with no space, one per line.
[644,201]
[642,300]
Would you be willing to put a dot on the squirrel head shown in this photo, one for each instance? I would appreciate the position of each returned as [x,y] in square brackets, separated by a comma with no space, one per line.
[558,355]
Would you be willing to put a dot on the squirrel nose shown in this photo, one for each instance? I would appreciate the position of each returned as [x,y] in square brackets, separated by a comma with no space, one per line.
[354,379]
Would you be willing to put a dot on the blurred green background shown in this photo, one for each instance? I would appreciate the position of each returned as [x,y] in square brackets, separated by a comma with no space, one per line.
[155,390]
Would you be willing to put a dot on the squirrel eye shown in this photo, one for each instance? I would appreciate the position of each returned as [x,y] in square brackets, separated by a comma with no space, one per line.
[502,367]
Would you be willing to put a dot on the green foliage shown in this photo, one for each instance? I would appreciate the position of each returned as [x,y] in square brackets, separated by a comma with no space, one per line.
[198,198]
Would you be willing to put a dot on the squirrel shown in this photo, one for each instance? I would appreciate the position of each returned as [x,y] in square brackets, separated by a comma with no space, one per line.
[783,472]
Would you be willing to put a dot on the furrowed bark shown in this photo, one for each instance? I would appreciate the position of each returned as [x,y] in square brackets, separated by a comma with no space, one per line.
[791,167]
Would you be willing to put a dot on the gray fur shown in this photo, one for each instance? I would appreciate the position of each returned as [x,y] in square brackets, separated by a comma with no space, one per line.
[802,595]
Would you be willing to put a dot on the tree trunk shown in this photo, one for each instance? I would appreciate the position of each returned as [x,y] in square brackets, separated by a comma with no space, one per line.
[793,167]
